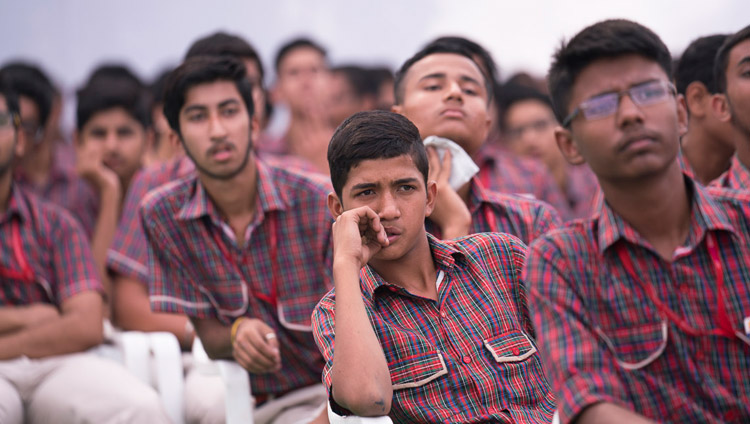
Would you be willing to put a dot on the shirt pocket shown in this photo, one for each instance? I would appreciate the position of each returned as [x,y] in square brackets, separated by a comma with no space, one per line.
[417,370]
[518,365]
[637,346]
[229,298]
[512,346]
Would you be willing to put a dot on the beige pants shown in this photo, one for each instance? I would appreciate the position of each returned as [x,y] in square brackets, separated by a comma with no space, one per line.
[204,401]
[76,388]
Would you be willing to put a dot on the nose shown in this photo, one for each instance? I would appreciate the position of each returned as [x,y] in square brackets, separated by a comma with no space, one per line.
[454,91]
[217,129]
[110,142]
[628,113]
[388,207]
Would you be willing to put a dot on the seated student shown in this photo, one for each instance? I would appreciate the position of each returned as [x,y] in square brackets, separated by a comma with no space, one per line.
[51,312]
[500,169]
[444,93]
[423,330]
[731,68]
[113,130]
[639,310]
[528,126]
[48,167]
[241,247]
[708,146]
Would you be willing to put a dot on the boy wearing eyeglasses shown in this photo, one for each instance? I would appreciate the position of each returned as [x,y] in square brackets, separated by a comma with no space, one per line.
[640,310]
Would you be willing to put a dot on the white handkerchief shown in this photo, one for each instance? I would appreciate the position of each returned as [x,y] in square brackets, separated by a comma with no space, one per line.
[462,166]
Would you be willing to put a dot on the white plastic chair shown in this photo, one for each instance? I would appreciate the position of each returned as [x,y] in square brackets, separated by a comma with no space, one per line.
[238,401]
[335,418]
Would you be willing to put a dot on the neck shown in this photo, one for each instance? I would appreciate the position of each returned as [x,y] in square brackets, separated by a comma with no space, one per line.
[559,172]
[235,197]
[708,158]
[5,185]
[37,162]
[743,150]
[415,271]
[657,206]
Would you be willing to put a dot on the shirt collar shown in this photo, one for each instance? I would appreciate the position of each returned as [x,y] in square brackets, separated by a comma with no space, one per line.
[444,254]
[269,197]
[706,215]
[738,175]
[478,194]
[16,206]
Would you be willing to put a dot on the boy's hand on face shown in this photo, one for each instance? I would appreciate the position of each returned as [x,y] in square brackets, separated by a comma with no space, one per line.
[451,213]
[357,236]
[256,347]
[90,165]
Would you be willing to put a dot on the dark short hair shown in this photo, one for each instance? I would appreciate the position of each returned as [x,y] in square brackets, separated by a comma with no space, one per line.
[510,94]
[224,44]
[486,62]
[105,93]
[722,57]
[697,63]
[200,70]
[370,135]
[157,87]
[115,71]
[30,81]
[429,50]
[605,39]
[11,99]
[297,43]
[360,80]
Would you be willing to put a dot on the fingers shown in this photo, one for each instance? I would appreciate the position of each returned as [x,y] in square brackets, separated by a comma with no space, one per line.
[257,348]
[434,160]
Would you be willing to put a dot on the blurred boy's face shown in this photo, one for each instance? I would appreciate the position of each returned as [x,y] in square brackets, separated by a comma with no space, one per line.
[11,142]
[122,138]
[303,79]
[529,128]
[395,189]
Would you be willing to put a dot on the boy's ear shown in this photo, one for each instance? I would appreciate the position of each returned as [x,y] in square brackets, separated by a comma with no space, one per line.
[174,139]
[567,146]
[397,109]
[721,108]
[334,205]
[431,196]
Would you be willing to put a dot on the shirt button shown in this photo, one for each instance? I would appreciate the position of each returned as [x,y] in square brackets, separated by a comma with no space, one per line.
[467,360]
[443,314]
[516,351]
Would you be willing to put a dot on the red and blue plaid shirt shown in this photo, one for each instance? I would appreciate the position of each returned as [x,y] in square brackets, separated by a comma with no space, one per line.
[737,176]
[490,211]
[128,255]
[603,339]
[278,276]
[468,357]
[503,171]
[65,189]
[44,254]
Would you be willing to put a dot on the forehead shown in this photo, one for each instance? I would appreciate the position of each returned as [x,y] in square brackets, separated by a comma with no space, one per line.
[115,116]
[614,74]
[301,56]
[211,93]
[528,108]
[451,64]
[739,52]
[383,171]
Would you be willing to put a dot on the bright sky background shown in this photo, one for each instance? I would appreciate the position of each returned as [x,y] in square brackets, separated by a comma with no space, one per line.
[68,38]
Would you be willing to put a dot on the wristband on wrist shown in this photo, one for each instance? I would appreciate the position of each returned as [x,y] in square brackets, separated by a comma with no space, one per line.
[235,327]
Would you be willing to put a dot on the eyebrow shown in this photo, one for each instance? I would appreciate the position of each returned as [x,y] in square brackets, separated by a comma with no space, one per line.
[204,107]
[363,186]
[602,93]
[433,75]
[743,61]
[405,180]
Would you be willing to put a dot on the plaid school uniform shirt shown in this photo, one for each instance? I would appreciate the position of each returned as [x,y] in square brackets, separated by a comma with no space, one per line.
[470,356]
[44,254]
[737,176]
[595,287]
[66,189]
[196,267]
[495,212]
[503,171]
[128,255]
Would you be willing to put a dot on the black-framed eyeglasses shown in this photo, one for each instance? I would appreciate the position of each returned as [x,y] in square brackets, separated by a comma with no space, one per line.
[605,105]
[8,120]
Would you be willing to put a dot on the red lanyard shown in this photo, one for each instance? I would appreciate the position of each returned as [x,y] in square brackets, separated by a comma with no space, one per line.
[725,325]
[26,274]
[272,298]
[489,215]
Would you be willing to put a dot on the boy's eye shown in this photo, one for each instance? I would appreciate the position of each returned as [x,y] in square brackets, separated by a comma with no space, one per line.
[229,111]
[407,187]
[365,193]
[432,87]
[195,117]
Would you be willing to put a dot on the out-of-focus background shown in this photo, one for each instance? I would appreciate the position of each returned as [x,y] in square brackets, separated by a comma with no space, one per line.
[69,38]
